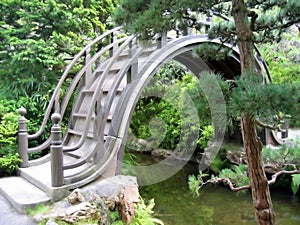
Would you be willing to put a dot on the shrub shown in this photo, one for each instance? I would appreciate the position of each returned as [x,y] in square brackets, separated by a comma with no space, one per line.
[9,164]
[8,132]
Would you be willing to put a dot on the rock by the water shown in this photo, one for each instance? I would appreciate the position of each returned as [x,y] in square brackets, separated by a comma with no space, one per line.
[94,202]
[129,196]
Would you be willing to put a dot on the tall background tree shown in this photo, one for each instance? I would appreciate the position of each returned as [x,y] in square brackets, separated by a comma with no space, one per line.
[38,38]
[251,22]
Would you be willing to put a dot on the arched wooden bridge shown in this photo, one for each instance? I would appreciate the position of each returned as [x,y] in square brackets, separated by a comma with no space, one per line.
[114,70]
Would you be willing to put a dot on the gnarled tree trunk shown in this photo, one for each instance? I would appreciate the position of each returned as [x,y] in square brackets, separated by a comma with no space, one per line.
[259,184]
[258,181]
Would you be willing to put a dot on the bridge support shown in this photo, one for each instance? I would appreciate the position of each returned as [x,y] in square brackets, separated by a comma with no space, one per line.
[56,151]
[23,138]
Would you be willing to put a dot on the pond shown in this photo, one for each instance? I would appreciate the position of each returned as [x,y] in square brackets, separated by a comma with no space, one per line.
[216,205]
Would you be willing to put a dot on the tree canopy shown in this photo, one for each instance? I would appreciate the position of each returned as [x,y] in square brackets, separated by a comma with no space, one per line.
[268,18]
[39,37]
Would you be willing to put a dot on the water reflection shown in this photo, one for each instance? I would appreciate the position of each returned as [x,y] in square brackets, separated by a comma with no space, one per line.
[216,205]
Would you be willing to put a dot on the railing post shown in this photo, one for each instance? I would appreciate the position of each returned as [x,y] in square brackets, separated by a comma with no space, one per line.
[88,72]
[115,46]
[23,138]
[56,151]
[162,40]
[133,70]
[285,129]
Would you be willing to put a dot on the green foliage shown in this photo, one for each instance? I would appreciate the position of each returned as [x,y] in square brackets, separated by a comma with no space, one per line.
[152,17]
[196,182]
[39,37]
[238,175]
[39,209]
[143,215]
[162,120]
[283,57]
[9,164]
[8,132]
[295,183]
[252,98]
[206,134]
[282,156]
[218,164]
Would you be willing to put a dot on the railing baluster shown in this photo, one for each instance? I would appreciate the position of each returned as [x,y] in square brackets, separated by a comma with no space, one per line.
[23,138]
[57,103]
[115,46]
[162,41]
[88,72]
[56,149]
[133,70]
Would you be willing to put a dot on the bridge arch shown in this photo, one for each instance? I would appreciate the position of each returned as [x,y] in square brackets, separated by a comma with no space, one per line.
[179,50]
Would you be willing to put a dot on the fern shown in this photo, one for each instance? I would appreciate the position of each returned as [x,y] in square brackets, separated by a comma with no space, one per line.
[295,183]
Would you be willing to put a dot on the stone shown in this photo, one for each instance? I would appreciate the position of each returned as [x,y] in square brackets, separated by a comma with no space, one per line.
[51,222]
[76,197]
[129,196]
[112,202]
[161,153]
[93,202]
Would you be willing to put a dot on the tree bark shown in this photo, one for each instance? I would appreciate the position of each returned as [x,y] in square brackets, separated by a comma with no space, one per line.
[258,181]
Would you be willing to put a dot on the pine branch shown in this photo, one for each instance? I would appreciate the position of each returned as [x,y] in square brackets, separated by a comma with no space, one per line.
[231,185]
[268,126]
[253,16]
[276,175]
[276,27]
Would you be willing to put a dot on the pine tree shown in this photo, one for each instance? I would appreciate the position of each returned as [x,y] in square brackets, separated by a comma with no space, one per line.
[252,22]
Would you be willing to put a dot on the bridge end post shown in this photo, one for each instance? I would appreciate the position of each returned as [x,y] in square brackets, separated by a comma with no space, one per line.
[23,138]
[56,152]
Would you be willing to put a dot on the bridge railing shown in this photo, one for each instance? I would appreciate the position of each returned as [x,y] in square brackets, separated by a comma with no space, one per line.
[58,102]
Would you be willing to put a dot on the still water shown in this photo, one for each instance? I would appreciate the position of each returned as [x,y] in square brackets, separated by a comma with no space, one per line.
[216,205]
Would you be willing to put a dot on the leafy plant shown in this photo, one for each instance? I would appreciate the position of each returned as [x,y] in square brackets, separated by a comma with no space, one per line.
[238,175]
[295,183]
[196,182]
[143,215]
[8,132]
[285,155]
[9,164]
[283,57]
[206,134]
[170,112]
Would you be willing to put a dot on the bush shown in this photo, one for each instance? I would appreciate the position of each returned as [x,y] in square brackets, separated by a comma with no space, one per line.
[163,120]
[9,164]
[283,57]
[8,133]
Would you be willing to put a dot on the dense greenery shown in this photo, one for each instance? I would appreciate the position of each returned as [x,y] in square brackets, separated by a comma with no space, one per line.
[38,39]
[166,112]
[283,58]
[143,216]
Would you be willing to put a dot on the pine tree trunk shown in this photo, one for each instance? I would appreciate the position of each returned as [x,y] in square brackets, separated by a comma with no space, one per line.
[258,181]
[259,184]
